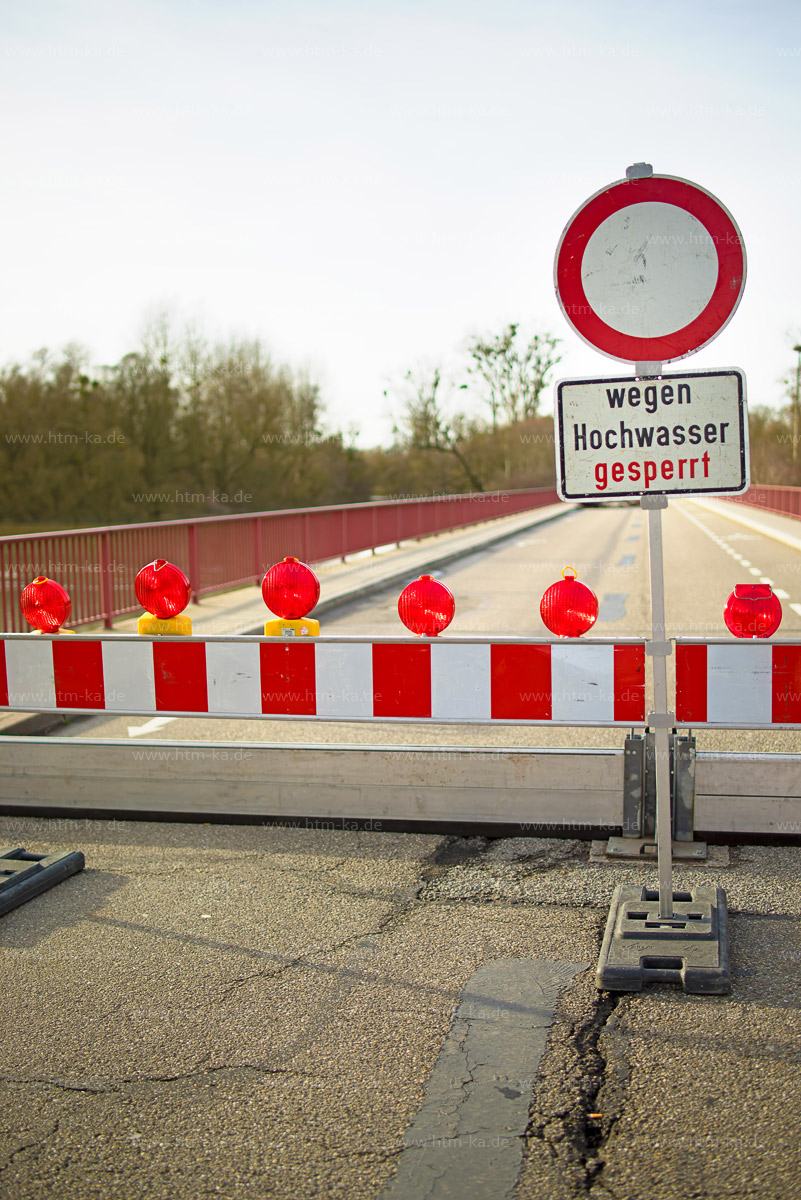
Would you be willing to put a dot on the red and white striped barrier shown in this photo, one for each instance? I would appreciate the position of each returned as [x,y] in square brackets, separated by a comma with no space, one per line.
[473,680]
[748,684]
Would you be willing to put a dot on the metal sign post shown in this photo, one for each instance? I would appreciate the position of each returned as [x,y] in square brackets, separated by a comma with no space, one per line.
[666,936]
[649,270]
[660,720]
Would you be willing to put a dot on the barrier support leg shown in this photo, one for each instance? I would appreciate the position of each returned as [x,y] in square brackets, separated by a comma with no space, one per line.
[639,802]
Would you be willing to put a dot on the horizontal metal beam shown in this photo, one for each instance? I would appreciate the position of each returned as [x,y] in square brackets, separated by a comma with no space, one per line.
[556,788]
[562,790]
[748,794]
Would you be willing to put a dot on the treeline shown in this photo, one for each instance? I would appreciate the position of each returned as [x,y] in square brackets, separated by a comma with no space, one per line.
[193,429]
[773,434]
[176,430]
[214,430]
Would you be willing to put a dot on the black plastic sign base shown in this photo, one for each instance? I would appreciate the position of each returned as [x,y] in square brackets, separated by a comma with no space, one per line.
[690,948]
[24,875]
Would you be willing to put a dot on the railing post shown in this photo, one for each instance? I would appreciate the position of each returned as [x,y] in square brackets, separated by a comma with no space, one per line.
[257,563]
[5,584]
[194,564]
[105,569]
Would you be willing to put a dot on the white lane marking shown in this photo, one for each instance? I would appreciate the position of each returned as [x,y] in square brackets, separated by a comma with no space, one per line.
[767,530]
[149,726]
[778,592]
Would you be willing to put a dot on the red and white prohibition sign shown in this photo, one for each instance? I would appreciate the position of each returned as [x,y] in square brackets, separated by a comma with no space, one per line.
[650,270]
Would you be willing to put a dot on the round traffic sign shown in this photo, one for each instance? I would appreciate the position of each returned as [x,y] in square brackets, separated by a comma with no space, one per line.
[650,269]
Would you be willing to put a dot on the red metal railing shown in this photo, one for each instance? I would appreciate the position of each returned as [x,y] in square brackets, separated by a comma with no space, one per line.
[98,566]
[775,498]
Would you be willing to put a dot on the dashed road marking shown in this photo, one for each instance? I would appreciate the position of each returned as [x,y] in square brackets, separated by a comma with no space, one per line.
[744,562]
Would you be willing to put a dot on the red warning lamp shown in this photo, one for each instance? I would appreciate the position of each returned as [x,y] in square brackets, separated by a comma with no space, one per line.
[752,611]
[45,604]
[162,589]
[569,608]
[290,589]
[426,606]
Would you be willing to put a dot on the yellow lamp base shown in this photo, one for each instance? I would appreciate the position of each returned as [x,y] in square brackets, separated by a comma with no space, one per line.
[305,627]
[150,626]
[55,632]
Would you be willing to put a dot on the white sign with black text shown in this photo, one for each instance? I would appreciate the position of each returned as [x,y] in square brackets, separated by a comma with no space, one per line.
[665,435]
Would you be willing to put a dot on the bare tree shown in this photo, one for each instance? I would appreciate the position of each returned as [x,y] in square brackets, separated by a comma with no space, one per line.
[514,373]
[426,426]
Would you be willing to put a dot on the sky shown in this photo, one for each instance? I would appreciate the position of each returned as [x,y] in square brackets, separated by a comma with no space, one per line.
[366,186]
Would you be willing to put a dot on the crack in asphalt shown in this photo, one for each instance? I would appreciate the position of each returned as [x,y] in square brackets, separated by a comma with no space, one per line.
[9,1161]
[113,1086]
[574,1135]
[452,853]
[388,922]
[594,1133]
